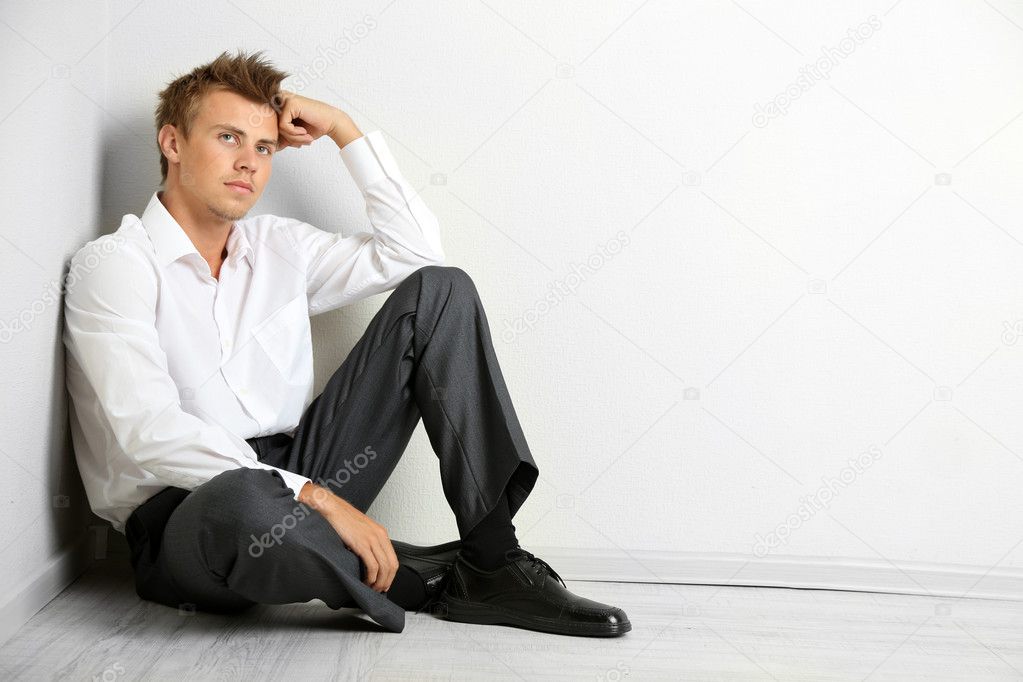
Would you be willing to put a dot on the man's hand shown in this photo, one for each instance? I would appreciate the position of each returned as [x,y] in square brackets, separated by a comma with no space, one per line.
[364,536]
[301,121]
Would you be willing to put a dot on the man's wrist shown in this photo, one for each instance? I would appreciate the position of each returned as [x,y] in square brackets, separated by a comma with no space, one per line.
[344,131]
[316,496]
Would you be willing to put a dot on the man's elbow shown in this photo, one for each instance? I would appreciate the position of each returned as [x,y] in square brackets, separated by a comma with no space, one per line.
[430,256]
[436,258]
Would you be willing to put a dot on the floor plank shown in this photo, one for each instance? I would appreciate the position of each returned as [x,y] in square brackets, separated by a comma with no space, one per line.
[99,629]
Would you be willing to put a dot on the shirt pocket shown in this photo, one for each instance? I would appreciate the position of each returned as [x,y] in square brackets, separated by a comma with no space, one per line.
[286,340]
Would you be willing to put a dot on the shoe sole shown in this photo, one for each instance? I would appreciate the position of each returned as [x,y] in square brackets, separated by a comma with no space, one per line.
[482,614]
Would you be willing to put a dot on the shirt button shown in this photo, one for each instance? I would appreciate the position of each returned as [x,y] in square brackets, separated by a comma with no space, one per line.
[227,345]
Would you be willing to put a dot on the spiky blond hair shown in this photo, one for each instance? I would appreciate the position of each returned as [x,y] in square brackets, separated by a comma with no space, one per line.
[248,75]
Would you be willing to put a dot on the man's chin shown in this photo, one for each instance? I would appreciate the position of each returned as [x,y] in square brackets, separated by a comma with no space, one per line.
[228,212]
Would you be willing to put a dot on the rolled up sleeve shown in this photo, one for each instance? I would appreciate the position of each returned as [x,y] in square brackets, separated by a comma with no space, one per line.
[405,233]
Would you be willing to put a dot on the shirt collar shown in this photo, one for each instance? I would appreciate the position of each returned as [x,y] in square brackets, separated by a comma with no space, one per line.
[171,242]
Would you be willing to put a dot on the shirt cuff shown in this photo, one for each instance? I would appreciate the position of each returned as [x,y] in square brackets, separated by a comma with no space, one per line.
[293,480]
[368,159]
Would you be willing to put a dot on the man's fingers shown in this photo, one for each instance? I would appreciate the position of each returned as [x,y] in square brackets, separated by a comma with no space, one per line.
[384,569]
[296,140]
[372,576]
[372,566]
[293,132]
[384,574]
[392,559]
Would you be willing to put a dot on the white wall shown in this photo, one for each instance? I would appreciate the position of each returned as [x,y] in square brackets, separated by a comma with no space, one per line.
[55,136]
[787,292]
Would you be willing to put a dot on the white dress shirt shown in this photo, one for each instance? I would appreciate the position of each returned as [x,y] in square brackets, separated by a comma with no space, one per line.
[169,369]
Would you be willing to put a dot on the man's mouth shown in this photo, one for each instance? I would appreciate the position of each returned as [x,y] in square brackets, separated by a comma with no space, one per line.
[240,186]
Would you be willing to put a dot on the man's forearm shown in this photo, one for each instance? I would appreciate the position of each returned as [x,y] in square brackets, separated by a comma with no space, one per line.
[319,498]
[344,130]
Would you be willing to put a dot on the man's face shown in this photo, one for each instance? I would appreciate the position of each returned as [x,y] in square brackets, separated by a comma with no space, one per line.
[231,140]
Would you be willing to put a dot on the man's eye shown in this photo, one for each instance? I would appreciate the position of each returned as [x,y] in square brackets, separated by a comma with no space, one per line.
[262,146]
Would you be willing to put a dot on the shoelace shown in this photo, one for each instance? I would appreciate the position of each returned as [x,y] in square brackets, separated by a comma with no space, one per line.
[539,564]
[536,562]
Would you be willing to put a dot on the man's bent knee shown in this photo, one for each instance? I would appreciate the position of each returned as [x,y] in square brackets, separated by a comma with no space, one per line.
[447,275]
[238,498]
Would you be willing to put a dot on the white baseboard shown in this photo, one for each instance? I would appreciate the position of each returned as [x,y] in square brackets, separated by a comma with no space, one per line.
[35,592]
[639,566]
[822,573]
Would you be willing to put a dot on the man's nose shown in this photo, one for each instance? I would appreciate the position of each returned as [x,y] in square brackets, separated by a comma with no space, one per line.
[247,159]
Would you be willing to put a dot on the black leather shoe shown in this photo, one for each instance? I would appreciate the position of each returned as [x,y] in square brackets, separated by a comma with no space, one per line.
[525,593]
[433,564]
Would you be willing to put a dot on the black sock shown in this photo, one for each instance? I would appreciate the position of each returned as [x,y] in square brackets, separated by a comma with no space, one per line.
[407,590]
[489,544]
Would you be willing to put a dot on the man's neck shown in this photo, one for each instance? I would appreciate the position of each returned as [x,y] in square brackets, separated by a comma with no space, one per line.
[207,232]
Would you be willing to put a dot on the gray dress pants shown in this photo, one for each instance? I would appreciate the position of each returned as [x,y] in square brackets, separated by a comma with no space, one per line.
[241,538]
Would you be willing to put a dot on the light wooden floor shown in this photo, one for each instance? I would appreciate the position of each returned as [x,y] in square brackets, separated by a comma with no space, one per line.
[99,629]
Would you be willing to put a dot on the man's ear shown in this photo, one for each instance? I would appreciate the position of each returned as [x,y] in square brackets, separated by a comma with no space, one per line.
[168,139]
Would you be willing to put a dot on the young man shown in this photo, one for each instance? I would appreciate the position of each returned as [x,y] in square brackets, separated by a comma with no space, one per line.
[189,366]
